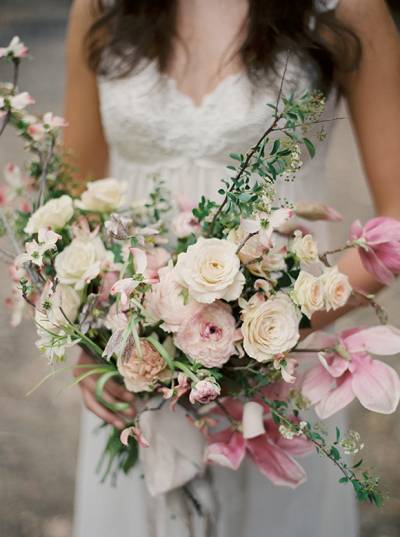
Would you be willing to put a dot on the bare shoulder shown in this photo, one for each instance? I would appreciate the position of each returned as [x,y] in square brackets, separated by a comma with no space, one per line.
[365,15]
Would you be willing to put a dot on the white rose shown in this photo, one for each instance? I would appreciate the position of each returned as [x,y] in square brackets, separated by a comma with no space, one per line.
[54,214]
[81,261]
[308,293]
[210,269]
[304,247]
[49,316]
[270,328]
[103,195]
[251,250]
[337,288]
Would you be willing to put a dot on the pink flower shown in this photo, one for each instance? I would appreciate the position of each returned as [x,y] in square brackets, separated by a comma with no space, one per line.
[204,391]
[270,452]
[144,368]
[209,336]
[136,433]
[20,101]
[16,49]
[379,246]
[184,224]
[167,301]
[347,371]
[157,258]
[275,220]
[177,391]
[107,282]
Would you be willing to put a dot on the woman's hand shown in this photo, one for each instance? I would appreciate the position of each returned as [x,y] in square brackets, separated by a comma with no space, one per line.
[113,393]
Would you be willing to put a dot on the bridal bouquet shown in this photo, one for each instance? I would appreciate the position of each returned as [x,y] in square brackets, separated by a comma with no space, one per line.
[199,309]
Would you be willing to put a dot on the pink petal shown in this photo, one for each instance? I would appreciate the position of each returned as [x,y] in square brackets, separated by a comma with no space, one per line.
[382,229]
[356,230]
[374,266]
[140,260]
[275,464]
[334,364]
[317,384]
[339,398]
[229,453]
[389,255]
[377,387]
[381,340]
[299,445]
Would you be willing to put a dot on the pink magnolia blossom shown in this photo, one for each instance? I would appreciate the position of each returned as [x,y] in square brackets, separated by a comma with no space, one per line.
[209,336]
[379,246]
[270,452]
[347,371]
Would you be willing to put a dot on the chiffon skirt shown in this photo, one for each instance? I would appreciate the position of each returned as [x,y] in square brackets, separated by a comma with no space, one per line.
[245,502]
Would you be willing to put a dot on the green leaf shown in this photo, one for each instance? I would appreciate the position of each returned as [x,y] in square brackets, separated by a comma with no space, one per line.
[310,147]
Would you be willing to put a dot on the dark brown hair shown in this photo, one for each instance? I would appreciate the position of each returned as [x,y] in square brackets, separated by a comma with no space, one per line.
[132,30]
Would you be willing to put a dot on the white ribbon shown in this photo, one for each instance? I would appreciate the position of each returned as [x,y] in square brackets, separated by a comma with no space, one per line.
[176,452]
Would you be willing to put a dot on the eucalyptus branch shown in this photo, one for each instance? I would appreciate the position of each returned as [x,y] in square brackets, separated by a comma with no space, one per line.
[310,123]
[250,153]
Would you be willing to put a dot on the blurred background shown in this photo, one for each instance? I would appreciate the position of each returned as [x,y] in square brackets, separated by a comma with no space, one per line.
[39,434]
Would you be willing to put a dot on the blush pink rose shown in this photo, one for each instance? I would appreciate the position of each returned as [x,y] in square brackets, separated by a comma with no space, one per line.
[184,224]
[167,301]
[204,391]
[209,336]
[143,369]
[157,258]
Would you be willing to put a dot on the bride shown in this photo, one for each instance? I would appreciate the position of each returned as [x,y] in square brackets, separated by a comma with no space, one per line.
[171,88]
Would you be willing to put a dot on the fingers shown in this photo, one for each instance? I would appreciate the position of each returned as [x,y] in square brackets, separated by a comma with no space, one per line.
[102,412]
[90,385]
[118,391]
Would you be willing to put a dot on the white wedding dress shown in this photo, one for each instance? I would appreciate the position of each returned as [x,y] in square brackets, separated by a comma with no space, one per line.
[152,128]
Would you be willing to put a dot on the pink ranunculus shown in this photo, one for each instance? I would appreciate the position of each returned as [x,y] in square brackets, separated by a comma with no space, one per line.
[167,301]
[270,452]
[204,391]
[347,371]
[184,224]
[379,246]
[209,336]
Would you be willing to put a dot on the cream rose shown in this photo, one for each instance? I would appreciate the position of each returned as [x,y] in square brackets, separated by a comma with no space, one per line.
[270,328]
[308,293]
[103,195]
[184,224]
[304,247]
[81,261]
[54,214]
[337,288]
[210,269]
[48,314]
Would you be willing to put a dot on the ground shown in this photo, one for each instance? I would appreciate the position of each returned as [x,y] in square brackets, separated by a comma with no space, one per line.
[39,434]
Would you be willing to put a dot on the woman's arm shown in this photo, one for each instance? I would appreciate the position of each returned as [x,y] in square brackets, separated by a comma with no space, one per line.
[373,96]
[84,137]
[85,140]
